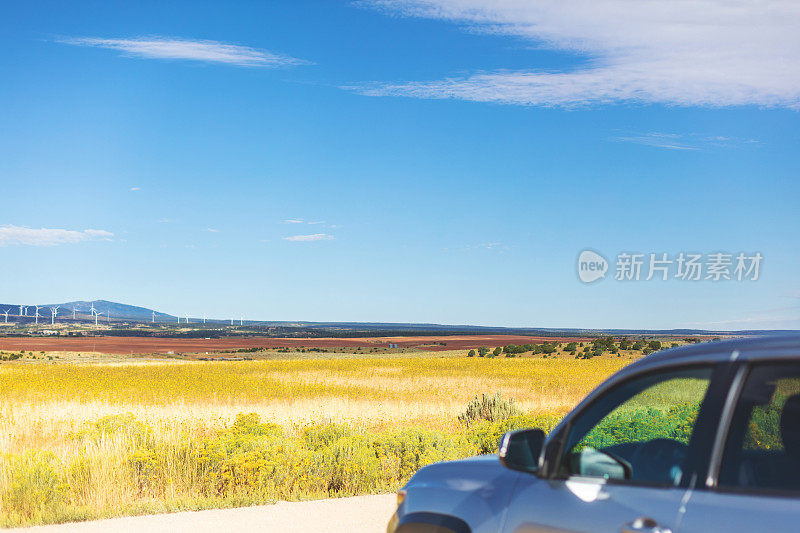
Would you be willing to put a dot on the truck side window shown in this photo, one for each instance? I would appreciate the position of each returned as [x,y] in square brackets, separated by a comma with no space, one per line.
[762,452]
[639,431]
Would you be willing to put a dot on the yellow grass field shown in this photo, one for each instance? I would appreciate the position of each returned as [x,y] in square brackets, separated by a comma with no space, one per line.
[82,441]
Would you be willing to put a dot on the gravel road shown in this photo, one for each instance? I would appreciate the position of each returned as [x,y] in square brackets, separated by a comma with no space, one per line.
[362,514]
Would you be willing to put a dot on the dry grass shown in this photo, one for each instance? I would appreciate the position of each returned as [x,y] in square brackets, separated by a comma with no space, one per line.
[44,401]
[55,408]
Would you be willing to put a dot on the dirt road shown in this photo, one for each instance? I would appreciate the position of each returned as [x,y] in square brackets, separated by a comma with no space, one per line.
[362,514]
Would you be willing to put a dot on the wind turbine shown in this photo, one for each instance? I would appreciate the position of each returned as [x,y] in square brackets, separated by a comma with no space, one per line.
[74,310]
[108,315]
[37,314]
[6,313]
[204,318]
[21,307]
[95,313]
[54,312]
[231,321]
[241,321]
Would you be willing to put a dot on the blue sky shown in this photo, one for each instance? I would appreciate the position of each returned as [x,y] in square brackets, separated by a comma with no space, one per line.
[410,161]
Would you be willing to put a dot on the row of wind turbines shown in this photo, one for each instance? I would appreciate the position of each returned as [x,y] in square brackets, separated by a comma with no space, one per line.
[186,319]
[23,312]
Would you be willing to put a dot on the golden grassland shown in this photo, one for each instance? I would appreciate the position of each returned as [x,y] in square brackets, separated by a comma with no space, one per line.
[81,441]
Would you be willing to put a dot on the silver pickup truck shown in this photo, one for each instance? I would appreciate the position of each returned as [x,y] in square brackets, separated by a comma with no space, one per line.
[690,440]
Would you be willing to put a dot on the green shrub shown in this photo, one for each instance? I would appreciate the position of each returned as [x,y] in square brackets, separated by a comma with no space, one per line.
[491,408]
[485,436]
[404,452]
[36,492]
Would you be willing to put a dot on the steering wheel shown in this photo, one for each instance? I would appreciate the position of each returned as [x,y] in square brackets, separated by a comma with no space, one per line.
[659,460]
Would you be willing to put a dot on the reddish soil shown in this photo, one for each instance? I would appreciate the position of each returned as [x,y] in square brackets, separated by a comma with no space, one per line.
[140,345]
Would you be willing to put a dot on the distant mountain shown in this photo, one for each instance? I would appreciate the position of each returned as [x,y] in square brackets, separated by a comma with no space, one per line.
[83,310]
[114,310]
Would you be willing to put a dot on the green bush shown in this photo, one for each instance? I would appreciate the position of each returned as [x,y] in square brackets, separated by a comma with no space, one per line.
[491,408]
[484,436]
[404,452]
[36,491]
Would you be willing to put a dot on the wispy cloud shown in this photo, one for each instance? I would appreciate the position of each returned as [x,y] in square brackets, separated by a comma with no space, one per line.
[303,221]
[135,188]
[497,246]
[683,141]
[212,230]
[310,238]
[712,53]
[17,235]
[158,47]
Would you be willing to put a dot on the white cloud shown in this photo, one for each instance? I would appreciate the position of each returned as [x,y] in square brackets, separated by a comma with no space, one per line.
[212,230]
[677,52]
[294,221]
[310,238]
[17,235]
[156,47]
[685,141]
[135,188]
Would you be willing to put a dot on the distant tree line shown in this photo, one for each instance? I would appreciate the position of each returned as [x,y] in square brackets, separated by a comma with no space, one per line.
[579,350]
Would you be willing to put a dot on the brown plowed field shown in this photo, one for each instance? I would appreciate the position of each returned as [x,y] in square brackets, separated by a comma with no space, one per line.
[143,345]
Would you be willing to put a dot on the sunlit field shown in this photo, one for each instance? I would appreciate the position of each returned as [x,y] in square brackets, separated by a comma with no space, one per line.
[82,441]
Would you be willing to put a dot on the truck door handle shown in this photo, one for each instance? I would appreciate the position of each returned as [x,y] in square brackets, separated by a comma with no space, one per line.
[644,525]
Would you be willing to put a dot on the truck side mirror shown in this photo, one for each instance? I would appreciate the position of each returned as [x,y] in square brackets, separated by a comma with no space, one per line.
[520,450]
